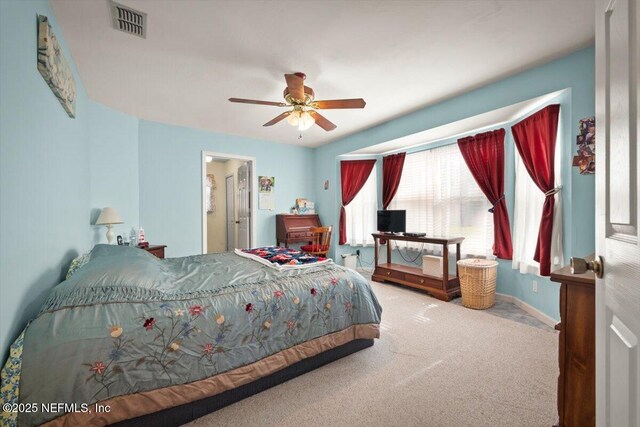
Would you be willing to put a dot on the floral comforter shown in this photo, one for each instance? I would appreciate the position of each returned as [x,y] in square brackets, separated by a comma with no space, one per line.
[127,322]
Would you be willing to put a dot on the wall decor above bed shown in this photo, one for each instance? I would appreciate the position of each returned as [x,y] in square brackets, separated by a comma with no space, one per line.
[54,67]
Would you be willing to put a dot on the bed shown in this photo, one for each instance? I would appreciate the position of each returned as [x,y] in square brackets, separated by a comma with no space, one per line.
[129,337]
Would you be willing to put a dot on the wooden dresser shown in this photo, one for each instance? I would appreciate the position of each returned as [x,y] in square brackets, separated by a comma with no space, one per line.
[295,228]
[577,348]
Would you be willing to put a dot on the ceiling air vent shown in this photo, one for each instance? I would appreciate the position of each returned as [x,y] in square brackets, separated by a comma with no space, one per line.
[129,20]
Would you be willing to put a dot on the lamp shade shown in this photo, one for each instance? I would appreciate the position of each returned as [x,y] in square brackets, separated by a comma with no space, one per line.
[109,216]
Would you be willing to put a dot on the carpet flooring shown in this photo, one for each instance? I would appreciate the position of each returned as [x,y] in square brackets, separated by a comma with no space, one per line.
[436,364]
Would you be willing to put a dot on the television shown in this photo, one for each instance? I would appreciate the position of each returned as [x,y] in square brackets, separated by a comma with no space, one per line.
[392,221]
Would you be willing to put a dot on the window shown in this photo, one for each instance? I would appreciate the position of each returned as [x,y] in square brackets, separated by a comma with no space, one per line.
[442,199]
[526,218]
[361,213]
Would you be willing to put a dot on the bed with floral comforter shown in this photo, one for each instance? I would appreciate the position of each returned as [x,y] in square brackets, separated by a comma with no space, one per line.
[136,334]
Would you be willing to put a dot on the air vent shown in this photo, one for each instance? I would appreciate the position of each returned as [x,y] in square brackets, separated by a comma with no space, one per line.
[129,20]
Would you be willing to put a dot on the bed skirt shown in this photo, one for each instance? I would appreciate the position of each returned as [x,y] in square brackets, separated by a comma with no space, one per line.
[188,412]
[179,404]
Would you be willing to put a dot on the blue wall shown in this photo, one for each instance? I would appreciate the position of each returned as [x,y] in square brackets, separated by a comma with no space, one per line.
[171,177]
[574,72]
[44,171]
[113,140]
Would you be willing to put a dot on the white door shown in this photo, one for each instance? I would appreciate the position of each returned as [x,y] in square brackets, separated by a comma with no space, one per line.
[231,213]
[617,214]
[244,205]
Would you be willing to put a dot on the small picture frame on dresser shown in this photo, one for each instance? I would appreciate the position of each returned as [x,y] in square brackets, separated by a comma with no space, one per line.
[119,239]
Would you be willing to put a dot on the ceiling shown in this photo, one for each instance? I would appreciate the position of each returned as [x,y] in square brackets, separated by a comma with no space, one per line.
[397,55]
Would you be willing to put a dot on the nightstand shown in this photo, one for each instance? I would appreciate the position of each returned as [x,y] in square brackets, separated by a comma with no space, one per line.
[157,250]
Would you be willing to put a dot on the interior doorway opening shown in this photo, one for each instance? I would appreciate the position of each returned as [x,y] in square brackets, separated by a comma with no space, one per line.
[228,219]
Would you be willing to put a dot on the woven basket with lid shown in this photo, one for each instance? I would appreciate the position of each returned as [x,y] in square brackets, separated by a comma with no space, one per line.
[478,282]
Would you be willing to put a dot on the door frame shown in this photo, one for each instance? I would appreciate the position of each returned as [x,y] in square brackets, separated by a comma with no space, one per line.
[203,183]
[226,210]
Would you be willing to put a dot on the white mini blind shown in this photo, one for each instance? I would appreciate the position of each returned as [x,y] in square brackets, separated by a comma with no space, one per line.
[442,199]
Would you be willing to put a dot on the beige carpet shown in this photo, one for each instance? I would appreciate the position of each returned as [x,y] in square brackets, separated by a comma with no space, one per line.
[436,364]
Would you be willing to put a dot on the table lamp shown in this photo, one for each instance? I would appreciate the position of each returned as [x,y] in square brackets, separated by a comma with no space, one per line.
[108,217]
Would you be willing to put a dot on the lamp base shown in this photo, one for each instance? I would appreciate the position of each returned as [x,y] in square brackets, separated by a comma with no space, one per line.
[109,233]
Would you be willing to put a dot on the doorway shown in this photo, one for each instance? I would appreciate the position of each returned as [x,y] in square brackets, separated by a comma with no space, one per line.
[228,192]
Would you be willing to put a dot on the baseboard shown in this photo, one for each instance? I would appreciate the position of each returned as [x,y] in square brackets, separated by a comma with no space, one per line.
[544,318]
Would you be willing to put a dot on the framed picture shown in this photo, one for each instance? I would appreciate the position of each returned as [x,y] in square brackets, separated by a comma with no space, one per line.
[585,160]
[54,67]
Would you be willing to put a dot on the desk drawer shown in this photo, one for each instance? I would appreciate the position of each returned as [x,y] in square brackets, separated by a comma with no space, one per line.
[299,235]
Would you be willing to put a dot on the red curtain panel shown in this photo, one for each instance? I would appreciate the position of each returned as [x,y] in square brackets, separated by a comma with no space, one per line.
[484,155]
[535,139]
[353,175]
[391,174]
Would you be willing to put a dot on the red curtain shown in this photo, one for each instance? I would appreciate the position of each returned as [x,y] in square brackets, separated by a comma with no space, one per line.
[484,155]
[391,174]
[353,174]
[535,139]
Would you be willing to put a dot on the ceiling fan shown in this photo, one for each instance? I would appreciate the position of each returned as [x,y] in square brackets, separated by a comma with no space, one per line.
[301,100]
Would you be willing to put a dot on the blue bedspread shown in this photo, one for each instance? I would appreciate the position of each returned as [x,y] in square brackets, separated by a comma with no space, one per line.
[128,322]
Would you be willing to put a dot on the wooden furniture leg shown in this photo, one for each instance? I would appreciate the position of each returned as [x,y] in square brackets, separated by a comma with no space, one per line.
[388,251]
[457,259]
[375,252]
[445,265]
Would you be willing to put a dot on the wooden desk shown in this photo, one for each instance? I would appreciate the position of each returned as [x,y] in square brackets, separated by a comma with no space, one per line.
[444,288]
[577,348]
[295,228]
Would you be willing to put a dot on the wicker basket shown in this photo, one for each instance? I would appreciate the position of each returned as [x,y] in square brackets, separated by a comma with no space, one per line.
[478,282]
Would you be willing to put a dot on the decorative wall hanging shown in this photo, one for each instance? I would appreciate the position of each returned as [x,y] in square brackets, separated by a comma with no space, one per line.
[586,147]
[305,207]
[210,194]
[266,195]
[54,67]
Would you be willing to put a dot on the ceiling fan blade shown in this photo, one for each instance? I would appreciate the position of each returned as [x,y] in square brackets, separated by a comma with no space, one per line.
[277,119]
[295,83]
[254,101]
[340,103]
[322,121]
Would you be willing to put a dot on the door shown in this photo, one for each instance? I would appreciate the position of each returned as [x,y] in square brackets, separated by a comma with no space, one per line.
[231,212]
[617,214]
[244,205]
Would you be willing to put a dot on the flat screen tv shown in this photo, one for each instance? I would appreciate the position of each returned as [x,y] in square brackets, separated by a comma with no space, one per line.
[392,221]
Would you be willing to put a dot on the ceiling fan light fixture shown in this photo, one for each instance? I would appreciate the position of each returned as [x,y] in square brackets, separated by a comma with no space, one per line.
[300,119]
[294,118]
[306,121]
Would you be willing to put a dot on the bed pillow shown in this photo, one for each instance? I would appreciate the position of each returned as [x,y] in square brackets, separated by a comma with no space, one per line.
[78,263]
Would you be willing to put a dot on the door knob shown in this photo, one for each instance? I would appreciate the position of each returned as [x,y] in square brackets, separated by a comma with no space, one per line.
[581,265]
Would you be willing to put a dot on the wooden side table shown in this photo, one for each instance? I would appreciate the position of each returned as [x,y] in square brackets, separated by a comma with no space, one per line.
[157,250]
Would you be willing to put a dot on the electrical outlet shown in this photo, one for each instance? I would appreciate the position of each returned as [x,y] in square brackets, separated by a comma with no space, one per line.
[358,252]
[534,286]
